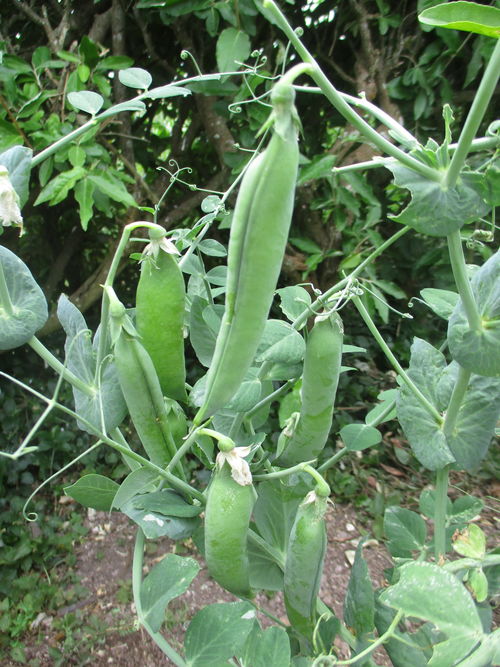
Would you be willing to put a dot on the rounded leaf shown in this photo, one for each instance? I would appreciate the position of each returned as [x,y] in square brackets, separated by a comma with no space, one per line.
[87,101]
[23,308]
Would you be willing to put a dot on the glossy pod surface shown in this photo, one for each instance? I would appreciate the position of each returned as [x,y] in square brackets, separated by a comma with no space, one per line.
[319,386]
[143,396]
[304,563]
[227,517]
[160,302]
[259,234]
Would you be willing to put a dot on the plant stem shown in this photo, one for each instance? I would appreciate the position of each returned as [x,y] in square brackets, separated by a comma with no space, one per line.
[158,639]
[340,104]
[333,459]
[462,282]
[466,563]
[320,302]
[440,512]
[273,553]
[459,391]
[380,640]
[5,302]
[60,368]
[286,472]
[475,116]
[71,136]
[394,362]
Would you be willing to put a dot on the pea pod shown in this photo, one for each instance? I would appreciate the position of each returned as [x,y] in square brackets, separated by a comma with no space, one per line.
[304,563]
[259,233]
[143,396]
[160,302]
[227,516]
[319,387]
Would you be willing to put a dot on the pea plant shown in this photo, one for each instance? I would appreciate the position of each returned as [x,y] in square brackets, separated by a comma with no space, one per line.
[260,522]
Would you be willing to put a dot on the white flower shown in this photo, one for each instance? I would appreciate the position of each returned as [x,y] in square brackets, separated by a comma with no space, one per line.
[10,213]
[240,470]
[154,247]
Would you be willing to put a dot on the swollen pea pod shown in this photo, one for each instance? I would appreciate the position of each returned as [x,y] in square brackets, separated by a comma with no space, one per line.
[304,562]
[160,303]
[319,387]
[140,386]
[227,517]
[259,233]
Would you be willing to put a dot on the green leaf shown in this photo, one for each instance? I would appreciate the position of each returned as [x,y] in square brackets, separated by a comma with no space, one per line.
[86,100]
[138,481]
[476,420]
[478,584]
[294,300]
[217,633]
[266,647]
[436,211]
[84,195]
[106,403]
[427,440]
[212,248]
[359,603]
[112,187]
[57,189]
[155,525]
[233,47]
[18,161]
[478,350]
[162,92]
[280,343]
[375,416]
[167,580]
[401,647]
[76,156]
[471,542]
[265,574]
[204,324]
[96,491]
[468,16]
[320,167]
[26,310]
[114,62]
[464,509]
[130,105]
[405,530]
[247,395]
[135,77]
[427,503]
[357,437]
[428,592]
[166,502]
[440,301]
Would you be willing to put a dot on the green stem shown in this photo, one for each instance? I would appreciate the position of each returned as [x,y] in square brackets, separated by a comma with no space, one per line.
[468,563]
[320,302]
[68,138]
[462,282]
[286,472]
[60,368]
[459,391]
[381,417]
[183,449]
[158,639]
[117,435]
[395,363]
[5,301]
[377,642]
[273,553]
[475,116]
[270,398]
[333,459]
[340,104]
[440,512]
[322,488]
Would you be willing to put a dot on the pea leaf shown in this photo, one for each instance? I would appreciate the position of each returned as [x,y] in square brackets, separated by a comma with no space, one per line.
[293,301]
[280,343]
[467,16]
[156,524]
[96,491]
[402,647]
[428,592]
[217,633]
[233,47]
[86,100]
[440,301]
[405,530]
[477,350]
[135,77]
[357,437]
[359,603]
[427,440]
[26,309]
[166,502]
[266,647]
[167,580]
[437,211]
[138,481]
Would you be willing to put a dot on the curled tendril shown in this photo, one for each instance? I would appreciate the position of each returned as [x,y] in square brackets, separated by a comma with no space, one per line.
[299,31]
[185,54]
[235,107]
[255,54]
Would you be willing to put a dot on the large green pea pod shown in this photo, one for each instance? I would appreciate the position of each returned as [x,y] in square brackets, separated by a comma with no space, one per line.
[159,315]
[227,517]
[304,563]
[143,396]
[319,386]
[259,233]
